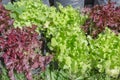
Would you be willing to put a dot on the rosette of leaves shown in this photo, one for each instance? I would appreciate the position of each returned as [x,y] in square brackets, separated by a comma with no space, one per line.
[105,52]
[102,16]
[5,20]
[69,43]
[21,51]
[29,12]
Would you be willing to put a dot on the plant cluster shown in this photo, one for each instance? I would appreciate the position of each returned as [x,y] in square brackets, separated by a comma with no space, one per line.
[60,24]
[102,16]
[20,48]
[76,56]
[5,21]
[104,53]
[33,11]
[19,51]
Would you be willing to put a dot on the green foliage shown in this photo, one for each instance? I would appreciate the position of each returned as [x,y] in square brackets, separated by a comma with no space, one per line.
[16,11]
[4,75]
[52,75]
[70,44]
[34,12]
[105,52]
[27,12]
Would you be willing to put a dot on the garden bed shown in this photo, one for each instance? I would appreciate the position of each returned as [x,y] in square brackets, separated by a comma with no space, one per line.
[38,42]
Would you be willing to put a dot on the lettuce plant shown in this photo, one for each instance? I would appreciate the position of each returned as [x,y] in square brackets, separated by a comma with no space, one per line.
[102,16]
[29,12]
[21,51]
[5,21]
[104,53]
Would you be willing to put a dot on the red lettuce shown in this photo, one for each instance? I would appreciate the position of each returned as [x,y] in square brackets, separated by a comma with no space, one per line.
[5,21]
[102,16]
[21,51]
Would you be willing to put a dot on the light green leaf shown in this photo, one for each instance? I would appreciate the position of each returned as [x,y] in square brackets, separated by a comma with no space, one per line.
[53,42]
